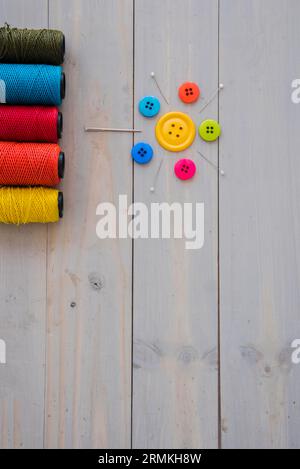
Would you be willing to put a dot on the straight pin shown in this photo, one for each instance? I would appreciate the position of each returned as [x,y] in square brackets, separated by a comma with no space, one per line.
[221,86]
[109,129]
[159,88]
[212,164]
[152,188]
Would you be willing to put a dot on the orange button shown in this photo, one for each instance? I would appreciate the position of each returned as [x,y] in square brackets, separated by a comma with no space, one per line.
[189,92]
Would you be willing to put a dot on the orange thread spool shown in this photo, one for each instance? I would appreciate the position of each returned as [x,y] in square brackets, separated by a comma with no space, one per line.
[31,164]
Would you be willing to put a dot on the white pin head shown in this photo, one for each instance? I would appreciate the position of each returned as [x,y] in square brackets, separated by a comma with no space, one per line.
[152,188]
[212,97]
[152,74]
[212,164]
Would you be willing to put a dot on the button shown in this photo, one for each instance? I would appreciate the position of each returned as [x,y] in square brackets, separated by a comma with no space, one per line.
[189,92]
[142,153]
[209,130]
[185,169]
[175,131]
[149,106]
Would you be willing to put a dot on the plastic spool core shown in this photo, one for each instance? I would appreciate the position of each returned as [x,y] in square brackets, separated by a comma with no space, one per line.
[61,165]
[63,85]
[60,200]
[59,125]
[63,47]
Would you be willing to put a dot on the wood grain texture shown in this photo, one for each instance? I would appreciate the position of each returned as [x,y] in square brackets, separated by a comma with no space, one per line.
[66,297]
[259,223]
[89,280]
[175,387]
[23,300]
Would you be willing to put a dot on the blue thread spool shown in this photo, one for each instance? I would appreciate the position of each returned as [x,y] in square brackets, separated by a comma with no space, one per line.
[31,84]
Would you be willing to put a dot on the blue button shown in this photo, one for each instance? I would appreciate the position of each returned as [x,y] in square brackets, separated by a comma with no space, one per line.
[149,106]
[142,153]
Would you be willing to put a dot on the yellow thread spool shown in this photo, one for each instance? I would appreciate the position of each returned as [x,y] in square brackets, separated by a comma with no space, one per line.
[21,205]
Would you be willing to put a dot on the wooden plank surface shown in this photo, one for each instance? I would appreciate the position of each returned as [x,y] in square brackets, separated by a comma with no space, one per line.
[259,223]
[175,386]
[89,280]
[66,297]
[22,300]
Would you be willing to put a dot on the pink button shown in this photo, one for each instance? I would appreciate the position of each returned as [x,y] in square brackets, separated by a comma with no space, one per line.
[185,169]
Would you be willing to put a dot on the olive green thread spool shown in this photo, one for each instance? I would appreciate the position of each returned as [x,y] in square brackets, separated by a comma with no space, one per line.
[34,46]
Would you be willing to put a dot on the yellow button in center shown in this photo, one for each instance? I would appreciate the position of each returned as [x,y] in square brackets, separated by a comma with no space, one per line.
[175,131]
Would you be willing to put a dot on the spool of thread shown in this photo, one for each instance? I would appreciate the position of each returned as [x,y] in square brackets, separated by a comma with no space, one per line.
[31,84]
[31,164]
[32,46]
[20,205]
[30,123]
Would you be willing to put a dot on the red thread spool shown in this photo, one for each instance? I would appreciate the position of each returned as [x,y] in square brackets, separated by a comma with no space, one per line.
[30,123]
[31,164]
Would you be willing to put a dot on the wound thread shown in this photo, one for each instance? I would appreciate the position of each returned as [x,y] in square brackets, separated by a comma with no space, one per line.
[30,74]
[30,123]
[29,205]
[32,84]
[30,164]
[33,46]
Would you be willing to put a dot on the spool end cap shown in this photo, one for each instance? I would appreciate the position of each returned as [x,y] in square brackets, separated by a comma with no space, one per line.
[59,125]
[63,85]
[61,165]
[60,204]
[63,47]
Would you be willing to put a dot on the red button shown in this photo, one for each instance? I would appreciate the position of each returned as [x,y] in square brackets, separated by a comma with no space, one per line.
[185,169]
[189,92]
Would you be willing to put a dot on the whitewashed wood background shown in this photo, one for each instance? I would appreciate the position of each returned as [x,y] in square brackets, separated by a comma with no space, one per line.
[145,344]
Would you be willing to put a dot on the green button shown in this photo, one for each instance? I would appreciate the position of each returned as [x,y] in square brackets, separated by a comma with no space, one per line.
[209,130]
